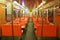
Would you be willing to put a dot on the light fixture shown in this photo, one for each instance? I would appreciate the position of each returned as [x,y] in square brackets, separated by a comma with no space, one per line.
[17,4]
[43,2]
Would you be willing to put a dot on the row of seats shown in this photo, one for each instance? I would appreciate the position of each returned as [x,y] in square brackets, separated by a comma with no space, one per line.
[44,30]
[15,29]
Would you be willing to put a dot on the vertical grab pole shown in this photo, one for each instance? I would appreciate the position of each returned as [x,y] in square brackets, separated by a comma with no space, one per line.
[36,12]
[37,15]
[42,26]
[24,14]
[42,20]
[12,21]
[0,28]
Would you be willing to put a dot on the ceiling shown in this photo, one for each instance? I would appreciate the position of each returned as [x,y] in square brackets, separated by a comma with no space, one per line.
[32,3]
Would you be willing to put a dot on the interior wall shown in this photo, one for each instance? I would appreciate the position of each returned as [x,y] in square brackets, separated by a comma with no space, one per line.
[57,21]
[9,8]
[2,1]
[2,15]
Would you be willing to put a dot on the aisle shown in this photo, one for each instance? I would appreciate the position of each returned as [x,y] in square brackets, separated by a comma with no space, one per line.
[30,33]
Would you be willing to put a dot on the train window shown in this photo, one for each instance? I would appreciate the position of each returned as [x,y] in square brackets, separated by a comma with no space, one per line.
[38,12]
[59,10]
[50,15]
[45,11]
[19,14]
[45,14]
[35,13]
[14,14]
[6,13]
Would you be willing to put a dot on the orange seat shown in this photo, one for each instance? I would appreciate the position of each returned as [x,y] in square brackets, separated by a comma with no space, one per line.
[37,26]
[49,30]
[17,30]
[6,30]
[16,21]
[38,29]
[39,20]
[23,24]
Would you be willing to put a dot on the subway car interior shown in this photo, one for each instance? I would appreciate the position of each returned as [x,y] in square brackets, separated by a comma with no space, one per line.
[29,19]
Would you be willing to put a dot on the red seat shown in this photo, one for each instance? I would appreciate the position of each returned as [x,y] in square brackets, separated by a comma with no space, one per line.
[16,21]
[49,30]
[17,30]
[38,29]
[6,30]
[23,24]
[39,20]
[37,26]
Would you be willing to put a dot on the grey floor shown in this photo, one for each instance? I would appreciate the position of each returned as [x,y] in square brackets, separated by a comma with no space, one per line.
[30,32]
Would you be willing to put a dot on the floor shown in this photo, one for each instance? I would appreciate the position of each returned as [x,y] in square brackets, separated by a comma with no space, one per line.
[30,32]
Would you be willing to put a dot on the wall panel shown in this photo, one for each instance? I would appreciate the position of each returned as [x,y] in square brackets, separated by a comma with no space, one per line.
[2,15]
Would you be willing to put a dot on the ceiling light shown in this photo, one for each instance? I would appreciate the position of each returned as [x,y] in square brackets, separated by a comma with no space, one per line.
[44,2]
[41,4]
[17,4]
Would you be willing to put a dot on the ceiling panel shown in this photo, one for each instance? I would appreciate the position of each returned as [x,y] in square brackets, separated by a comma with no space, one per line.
[32,3]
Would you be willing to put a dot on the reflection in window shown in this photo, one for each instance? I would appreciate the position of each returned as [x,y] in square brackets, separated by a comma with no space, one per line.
[50,15]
